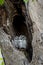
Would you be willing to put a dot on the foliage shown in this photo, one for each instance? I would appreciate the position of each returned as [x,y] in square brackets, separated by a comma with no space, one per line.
[1,59]
[2,2]
[27,1]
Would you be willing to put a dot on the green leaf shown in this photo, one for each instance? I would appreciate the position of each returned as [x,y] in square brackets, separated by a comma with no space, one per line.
[1,59]
[26,1]
[2,2]
[2,63]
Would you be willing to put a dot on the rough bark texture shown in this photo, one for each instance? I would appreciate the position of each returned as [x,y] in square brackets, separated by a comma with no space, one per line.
[36,14]
[36,7]
[12,55]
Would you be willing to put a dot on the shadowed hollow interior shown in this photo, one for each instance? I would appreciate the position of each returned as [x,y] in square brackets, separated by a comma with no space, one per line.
[20,28]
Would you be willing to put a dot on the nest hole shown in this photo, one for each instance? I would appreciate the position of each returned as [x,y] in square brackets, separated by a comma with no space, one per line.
[20,28]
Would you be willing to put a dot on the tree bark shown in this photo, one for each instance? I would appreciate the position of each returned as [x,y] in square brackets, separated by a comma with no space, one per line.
[36,14]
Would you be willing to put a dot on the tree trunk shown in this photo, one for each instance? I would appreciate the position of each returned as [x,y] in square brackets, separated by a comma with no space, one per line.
[15,23]
[36,14]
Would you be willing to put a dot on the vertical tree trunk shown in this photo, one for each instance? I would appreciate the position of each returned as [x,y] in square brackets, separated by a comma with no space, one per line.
[36,14]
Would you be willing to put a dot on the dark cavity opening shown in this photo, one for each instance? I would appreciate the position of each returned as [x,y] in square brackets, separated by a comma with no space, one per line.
[20,28]
[18,23]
